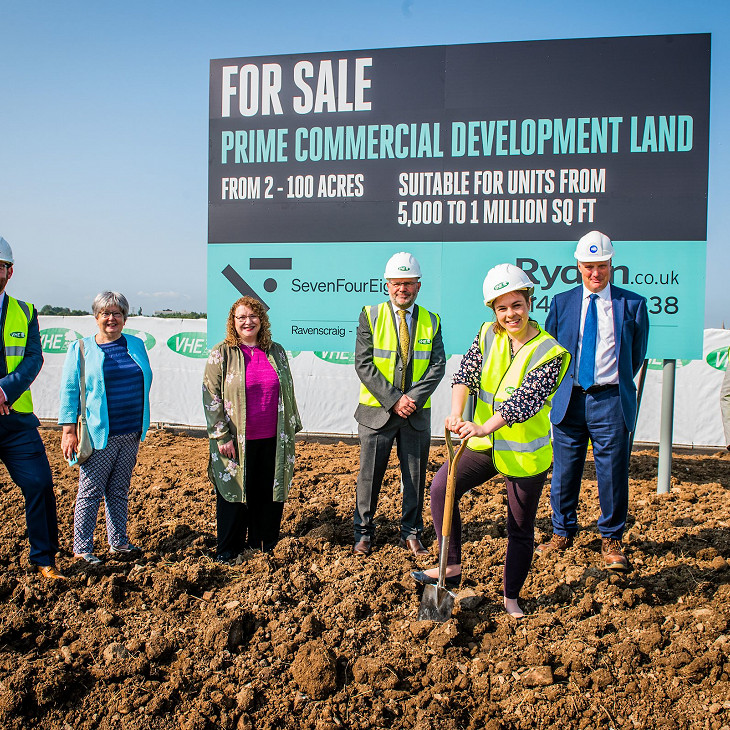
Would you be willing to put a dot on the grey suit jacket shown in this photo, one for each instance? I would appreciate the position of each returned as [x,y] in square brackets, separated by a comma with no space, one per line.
[386,393]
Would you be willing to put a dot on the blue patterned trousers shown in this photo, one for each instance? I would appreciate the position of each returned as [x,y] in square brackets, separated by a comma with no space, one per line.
[105,475]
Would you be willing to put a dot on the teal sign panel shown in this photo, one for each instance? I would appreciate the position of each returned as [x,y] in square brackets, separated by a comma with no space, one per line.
[316,291]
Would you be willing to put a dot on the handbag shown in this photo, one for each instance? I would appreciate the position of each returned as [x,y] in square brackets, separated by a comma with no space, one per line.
[84,448]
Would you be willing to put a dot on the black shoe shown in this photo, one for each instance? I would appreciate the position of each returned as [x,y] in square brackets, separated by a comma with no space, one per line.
[424,579]
[225,559]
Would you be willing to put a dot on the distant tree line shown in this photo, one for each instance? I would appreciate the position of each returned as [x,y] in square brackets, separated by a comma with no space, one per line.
[181,315]
[49,311]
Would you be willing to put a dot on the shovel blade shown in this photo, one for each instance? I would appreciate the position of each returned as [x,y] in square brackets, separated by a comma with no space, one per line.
[437,604]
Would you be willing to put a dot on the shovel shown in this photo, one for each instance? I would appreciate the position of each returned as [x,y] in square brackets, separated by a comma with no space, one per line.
[437,602]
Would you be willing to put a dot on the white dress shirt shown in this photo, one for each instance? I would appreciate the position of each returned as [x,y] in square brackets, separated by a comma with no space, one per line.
[606,363]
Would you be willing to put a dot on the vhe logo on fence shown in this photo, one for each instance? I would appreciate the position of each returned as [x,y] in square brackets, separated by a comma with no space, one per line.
[718,359]
[654,364]
[57,340]
[148,340]
[337,358]
[189,344]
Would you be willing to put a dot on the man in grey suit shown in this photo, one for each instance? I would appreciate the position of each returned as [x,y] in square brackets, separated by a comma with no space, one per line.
[399,358]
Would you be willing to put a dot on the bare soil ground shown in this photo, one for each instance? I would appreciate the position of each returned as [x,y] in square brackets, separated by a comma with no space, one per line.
[313,637]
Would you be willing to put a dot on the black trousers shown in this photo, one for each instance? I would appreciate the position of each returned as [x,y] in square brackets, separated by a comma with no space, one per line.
[523,497]
[254,523]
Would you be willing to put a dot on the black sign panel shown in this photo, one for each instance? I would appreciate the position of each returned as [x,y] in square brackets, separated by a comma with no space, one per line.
[503,141]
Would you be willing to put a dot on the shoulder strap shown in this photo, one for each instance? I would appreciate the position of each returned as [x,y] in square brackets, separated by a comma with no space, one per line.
[82,379]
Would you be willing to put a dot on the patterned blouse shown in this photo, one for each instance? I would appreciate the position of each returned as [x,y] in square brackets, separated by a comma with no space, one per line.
[527,400]
[224,401]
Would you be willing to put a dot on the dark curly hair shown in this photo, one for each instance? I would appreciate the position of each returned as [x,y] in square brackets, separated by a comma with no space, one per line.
[264,336]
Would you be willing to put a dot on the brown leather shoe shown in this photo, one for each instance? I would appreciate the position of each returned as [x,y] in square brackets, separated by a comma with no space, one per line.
[556,544]
[363,546]
[613,554]
[50,572]
[415,546]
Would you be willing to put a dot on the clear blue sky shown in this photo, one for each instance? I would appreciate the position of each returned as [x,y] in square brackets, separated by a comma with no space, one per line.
[104,121]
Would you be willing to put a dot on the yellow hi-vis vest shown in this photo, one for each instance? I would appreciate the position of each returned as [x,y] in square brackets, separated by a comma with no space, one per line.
[385,346]
[15,338]
[523,449]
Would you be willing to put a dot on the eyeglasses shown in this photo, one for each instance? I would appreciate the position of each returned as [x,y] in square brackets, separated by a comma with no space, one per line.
[252,317]
[5,265]
[116,315]
[403,284]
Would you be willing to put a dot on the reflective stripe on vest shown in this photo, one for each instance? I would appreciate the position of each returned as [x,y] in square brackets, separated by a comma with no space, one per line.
[15,338]
[385,346]
[523,449]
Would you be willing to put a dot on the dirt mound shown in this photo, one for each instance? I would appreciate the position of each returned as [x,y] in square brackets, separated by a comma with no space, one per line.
[312,637]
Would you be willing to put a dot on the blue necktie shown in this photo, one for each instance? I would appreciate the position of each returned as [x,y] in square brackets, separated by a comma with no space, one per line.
[587,364]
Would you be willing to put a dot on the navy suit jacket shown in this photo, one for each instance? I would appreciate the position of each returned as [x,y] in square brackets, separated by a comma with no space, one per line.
[631,332]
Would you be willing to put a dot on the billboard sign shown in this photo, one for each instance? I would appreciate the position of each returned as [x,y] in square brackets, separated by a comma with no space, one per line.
[322,165]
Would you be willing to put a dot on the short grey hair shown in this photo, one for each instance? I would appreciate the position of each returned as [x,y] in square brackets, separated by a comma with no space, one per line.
[106,299]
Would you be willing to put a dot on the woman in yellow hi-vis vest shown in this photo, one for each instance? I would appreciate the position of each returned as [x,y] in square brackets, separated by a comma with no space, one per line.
[512,368]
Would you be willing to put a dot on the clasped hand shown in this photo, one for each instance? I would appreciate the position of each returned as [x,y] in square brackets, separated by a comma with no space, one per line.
[405,406]
[464,429]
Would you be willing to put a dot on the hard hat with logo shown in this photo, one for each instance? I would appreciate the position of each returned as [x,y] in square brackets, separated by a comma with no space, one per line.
[502,279]
[402,265]
[6,253]
[594,246]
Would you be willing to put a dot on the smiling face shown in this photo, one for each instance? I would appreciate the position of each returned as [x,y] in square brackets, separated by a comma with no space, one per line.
[596,274]
[403,292]
[110,322]
[512,311]
[247,324]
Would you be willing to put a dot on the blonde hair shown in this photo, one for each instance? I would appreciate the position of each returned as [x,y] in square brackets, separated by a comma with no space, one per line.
[263,340]
[497,327]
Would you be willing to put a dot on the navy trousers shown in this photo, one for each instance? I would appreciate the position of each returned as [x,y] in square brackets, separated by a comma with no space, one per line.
[23,453]
[598,417]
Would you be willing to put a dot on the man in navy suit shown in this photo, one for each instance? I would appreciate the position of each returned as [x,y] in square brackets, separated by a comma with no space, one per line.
[605,329]
[21,448]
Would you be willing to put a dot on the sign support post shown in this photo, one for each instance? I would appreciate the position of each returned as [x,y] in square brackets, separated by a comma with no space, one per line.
[666,428]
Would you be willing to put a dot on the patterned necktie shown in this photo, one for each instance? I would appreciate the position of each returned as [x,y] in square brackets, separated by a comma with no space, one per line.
[405,343]
[587,365]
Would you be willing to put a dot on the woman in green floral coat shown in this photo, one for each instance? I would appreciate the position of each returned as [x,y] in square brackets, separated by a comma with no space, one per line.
[252,416]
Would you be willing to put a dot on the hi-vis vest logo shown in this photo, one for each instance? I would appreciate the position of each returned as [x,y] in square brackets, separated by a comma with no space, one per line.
[146,337]
[337,358]
[57,340]
[189,344]
[509,390]
[500,286]
[424,341]
[17,334]
[718,359]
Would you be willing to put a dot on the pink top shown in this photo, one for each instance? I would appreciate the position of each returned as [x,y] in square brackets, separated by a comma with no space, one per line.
[262,394]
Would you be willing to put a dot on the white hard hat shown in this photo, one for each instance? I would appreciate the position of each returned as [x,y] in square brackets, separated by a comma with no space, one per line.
[402,265]
[594,246]
[6,253]
[504,278]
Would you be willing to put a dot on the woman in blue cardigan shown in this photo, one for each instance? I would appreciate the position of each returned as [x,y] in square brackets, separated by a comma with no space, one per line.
[118,378]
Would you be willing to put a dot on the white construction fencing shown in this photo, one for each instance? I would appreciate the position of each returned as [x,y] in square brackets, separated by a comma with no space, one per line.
[327,387]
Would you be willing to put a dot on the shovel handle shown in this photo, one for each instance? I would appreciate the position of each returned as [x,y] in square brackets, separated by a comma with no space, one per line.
[451,483]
